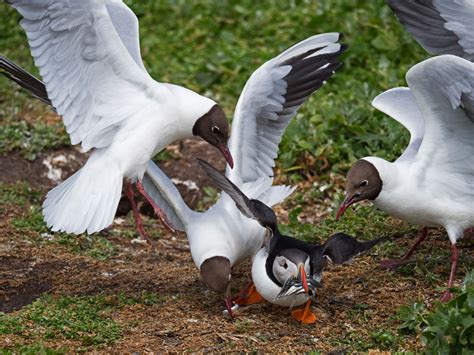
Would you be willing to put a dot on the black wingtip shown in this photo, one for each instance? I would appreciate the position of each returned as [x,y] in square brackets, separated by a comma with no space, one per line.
[24,79]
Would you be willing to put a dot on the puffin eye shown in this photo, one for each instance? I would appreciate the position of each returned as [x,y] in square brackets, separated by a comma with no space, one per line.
[285,266]
[215,129]
[364,183]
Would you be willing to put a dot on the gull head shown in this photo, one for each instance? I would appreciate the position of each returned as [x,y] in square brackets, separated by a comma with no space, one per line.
[216,274]
[214,129]
[363,182]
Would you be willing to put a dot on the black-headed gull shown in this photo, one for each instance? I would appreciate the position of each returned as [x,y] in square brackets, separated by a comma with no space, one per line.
[431,183]
[222,237]
[286,271]
[88,55]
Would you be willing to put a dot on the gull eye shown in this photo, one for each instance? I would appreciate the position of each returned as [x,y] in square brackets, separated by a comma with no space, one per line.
[215,129]
[364,183]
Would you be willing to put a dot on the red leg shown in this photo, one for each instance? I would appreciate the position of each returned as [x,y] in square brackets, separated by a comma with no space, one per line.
[391,264]
[454,264]
[228,305]
[248,295]
[157,209]
[136,214]
[469,232]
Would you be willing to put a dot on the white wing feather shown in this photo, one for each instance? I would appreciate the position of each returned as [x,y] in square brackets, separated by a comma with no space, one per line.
[401,105]
[444,89]
[86,68]
[126,24]
[271,98]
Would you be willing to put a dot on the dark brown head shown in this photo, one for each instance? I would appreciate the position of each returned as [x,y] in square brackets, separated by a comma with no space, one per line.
[363,182]
[215,273]
[214,129]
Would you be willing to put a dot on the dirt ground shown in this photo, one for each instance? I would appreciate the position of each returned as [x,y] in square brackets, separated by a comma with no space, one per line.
[356,300]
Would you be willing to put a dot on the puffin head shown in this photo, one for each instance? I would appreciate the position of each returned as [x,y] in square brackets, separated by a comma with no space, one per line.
[291,267]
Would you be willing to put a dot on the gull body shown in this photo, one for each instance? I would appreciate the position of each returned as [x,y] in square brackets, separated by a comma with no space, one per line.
[432,182]
[88,55]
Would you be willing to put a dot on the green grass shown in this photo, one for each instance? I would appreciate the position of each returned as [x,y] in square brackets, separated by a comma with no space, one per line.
[214,46]
[86,319]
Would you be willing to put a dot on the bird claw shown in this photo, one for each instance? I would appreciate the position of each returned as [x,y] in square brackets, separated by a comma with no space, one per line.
[392,264]
[447,296]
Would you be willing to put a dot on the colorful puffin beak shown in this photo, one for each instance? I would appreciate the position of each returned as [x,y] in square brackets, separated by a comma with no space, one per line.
[226,153]
[349,200]
[302,278]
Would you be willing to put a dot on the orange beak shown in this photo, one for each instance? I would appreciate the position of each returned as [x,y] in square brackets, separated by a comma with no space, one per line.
[302,278]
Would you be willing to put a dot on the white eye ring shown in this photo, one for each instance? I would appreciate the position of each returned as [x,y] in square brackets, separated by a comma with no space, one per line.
[215,129]
[364,183]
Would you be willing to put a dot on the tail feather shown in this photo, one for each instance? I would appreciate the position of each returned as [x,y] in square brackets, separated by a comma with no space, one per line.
[87,201]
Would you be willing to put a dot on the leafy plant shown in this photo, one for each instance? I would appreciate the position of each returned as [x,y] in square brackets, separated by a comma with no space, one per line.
[449,327]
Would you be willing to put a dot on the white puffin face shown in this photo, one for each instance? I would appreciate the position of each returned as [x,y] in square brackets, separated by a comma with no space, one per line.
[285,268]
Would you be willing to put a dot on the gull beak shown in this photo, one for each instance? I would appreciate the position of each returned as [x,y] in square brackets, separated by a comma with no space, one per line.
[349,200]
[226,153]
[302,278]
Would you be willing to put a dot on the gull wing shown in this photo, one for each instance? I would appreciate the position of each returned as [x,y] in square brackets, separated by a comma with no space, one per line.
[439,26]
[401,105]
[270,99]
[444,89]
[86,68]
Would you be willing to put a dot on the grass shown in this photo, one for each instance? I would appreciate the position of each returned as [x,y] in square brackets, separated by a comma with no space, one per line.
[85,319]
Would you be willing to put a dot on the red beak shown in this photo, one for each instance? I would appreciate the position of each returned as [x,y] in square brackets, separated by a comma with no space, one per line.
[226,153]
[346,203]
[302,278]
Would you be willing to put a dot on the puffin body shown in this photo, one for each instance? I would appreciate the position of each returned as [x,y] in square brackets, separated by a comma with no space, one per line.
[270,290]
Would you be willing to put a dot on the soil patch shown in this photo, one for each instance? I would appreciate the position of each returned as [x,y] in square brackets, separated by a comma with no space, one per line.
[52,167]
[24,280]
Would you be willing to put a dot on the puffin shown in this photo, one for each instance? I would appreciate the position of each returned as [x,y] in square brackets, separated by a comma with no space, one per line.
[431,183]
[221,236]
[287,271]
[88,55]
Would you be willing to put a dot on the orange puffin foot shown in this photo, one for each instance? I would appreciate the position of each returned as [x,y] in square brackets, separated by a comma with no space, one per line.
[304,315]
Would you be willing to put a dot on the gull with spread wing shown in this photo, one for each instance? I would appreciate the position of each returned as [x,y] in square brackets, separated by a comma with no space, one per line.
[432,182]
[88,55]
[222,237]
